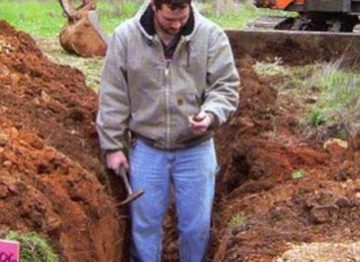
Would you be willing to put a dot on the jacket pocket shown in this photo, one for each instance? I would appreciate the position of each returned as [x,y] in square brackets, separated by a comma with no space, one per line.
[188,103]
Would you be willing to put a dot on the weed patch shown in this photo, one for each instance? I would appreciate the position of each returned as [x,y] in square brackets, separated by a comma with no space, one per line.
[328,94]
[34,247]
[237,220]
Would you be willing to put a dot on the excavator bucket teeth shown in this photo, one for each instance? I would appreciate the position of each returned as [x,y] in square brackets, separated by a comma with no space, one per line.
[93,19]
[82,34]
[295,45]
[66,6]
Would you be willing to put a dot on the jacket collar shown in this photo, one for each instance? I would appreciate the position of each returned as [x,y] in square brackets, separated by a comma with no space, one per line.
[147,22]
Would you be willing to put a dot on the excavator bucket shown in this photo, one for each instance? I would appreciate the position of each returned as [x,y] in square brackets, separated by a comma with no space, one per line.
[82,34]
[293,46]
[319,32]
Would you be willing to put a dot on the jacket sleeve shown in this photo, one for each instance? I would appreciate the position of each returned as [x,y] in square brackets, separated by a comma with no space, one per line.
[113,113]
[221,96]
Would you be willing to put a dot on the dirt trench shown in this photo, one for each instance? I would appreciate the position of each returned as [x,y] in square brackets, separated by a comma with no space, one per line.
[277,189]
[51,180]
[265,207]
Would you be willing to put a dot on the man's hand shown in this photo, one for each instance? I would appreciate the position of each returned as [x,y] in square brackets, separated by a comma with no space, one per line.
[116,160]
[200,122]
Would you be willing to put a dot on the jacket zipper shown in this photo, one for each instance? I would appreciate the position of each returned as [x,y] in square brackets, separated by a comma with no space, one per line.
[167,93]
[167,101]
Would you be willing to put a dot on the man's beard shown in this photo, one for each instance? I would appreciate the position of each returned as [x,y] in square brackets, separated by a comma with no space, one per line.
[169,31]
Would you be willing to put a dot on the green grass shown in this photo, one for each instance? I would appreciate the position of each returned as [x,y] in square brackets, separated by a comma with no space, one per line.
[297,174]
[34,17]
[335,92]
[237,220]
[339,88]
[33,247]
[270,69]
[108,21]
[45,18]
[244,13]
[317,116]
[339,92]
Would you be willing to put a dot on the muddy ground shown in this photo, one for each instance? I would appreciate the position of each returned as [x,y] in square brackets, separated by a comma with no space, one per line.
[275,188]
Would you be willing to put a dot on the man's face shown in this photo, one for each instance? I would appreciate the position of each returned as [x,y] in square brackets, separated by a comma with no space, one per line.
[170,21]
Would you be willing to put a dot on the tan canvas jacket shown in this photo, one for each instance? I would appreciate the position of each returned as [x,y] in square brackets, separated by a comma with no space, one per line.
[152,97]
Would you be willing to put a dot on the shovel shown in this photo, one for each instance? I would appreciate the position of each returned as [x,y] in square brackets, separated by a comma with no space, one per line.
[131,196]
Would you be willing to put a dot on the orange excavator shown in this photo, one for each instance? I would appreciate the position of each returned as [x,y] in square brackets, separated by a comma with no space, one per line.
[325,27]
[82,34]
[314,15]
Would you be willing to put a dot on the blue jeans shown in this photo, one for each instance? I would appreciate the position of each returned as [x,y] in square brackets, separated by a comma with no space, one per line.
[192,172]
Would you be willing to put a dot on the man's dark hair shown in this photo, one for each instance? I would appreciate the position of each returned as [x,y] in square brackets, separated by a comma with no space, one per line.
[172,4]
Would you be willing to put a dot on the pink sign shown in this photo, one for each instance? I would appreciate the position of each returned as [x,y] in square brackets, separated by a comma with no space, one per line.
[9,251]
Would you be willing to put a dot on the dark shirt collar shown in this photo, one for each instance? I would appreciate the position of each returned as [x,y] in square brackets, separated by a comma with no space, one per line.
[169,49]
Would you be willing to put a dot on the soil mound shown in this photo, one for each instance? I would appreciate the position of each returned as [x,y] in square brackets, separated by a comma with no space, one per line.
[49,164]
[275,187]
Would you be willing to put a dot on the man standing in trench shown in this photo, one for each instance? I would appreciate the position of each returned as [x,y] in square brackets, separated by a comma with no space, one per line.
[169,79]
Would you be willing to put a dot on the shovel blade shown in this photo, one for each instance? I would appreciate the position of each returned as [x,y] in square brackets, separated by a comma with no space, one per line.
[135,195]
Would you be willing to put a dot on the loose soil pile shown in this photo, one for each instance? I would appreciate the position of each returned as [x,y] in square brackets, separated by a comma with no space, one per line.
[278,189]
[274,188]
[49,161]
